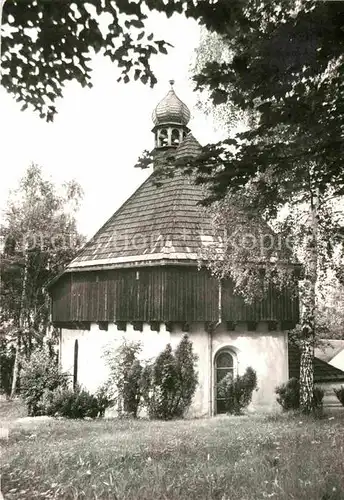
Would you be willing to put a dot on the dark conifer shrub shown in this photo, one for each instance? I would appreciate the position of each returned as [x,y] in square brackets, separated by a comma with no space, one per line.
[169,383]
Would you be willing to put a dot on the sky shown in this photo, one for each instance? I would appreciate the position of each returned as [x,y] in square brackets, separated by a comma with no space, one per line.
[99,133]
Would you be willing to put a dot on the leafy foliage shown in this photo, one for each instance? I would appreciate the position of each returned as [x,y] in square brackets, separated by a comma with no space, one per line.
[283,74]
[39,226]
[331,310]
[247,249]
[40,375]
[226,116]
[73,403]
[285,71]
[103,401]
[288,395]
[58,39]
[340,394]
[123,385]
[237,392]
[46,391]
[39,237]
[168,384]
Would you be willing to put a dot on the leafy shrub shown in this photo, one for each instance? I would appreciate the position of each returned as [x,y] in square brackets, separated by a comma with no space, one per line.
[132,389]
[158,385]
[237,392]
[169,383]
[103,401]
[340,394]
[123,385]
[288,395]
[318,396]
[77,403]
[39,375]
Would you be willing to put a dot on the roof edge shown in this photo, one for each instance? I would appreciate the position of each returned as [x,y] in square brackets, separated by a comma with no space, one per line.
[135,258]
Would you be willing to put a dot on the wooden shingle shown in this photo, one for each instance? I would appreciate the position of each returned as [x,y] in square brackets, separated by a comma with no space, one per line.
[160,221]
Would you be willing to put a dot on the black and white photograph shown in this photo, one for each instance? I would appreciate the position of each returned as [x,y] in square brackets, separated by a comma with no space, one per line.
[171,250]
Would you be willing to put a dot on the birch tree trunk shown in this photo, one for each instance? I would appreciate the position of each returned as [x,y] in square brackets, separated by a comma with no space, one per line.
[20,328]
[308,312]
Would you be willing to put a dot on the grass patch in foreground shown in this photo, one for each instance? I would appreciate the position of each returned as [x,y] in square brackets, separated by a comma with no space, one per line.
[225,458]
[10,410]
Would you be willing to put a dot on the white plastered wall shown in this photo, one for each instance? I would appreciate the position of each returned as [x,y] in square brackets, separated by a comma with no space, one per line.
[92,370]
[266,352]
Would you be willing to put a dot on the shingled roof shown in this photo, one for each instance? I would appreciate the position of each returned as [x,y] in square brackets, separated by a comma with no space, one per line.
[159,223]
[189,148]
[329,349]
[323,372]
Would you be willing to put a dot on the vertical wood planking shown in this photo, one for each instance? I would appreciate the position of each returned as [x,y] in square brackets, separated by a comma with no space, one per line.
[168,293]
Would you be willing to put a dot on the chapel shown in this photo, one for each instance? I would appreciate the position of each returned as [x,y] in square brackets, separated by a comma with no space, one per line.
[140,278]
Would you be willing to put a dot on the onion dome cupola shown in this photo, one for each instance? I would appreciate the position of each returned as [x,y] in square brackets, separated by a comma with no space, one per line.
[170,119]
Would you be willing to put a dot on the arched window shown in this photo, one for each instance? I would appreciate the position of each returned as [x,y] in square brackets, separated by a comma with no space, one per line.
[224,365]
[163,137]
[175,137]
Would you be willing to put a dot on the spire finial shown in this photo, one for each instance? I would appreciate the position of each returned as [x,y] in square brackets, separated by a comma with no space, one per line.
[171,82]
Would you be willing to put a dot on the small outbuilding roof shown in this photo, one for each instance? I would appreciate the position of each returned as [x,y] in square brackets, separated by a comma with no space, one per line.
[329,349]
[323,372]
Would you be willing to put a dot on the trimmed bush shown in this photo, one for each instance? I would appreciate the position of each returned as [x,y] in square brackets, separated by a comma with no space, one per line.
[39,375]
[237,393]
[288,395]
[169,383]
[340,394]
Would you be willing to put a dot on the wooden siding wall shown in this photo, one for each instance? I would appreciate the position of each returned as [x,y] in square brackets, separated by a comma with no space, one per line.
[276,306]
[159,294]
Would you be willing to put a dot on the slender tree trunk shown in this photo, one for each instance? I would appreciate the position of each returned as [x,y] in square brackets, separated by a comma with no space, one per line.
[15,375]
[308,312]
[306,376]
[20,328]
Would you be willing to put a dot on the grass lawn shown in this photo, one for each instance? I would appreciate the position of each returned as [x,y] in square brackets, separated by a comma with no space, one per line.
[225,458]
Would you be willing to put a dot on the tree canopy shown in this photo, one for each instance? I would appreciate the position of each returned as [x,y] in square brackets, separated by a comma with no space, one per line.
[47,43]
[286,71]
[39,237]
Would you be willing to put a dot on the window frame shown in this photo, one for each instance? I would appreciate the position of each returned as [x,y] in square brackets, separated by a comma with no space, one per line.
[216,369]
